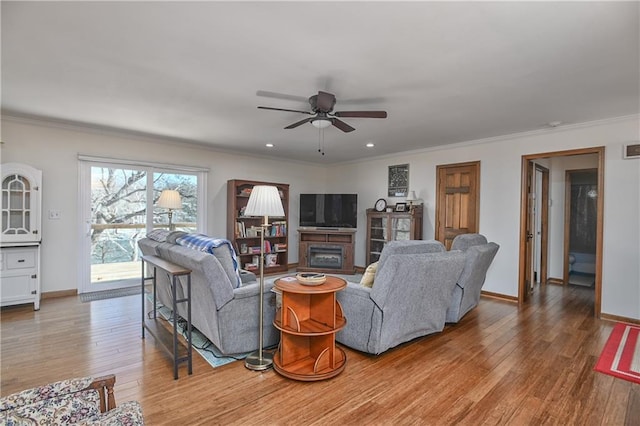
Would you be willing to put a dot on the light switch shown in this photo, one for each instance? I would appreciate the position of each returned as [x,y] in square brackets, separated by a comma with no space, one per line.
[54,214]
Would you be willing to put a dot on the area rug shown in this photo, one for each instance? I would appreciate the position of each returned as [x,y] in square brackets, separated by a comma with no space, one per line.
[621,354]
[109,294]
[200,343]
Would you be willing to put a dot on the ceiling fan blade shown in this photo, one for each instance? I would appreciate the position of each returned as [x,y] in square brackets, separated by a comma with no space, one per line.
[284,109]
[342,125]
[361,114]
[299,123]
[285,96]
[325,101]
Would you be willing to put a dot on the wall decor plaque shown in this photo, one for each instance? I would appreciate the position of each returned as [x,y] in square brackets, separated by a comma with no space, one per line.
[398,180]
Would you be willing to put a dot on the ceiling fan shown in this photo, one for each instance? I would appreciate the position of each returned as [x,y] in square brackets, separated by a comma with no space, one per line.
[323,115]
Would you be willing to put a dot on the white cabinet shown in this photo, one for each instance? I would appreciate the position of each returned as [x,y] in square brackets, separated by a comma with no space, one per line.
[20,234]
[20,275]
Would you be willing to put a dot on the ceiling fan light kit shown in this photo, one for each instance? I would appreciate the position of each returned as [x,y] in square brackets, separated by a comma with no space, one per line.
[323,116]
[321,123]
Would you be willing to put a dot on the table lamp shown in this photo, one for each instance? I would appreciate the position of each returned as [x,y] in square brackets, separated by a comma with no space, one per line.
[170,199]
[264,201]
[411,198]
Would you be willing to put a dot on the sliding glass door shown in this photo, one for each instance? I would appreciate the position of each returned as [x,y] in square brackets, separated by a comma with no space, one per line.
[119,209]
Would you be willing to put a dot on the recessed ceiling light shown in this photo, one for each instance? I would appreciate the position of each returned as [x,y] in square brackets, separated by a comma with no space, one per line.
[269,145]
[370,145]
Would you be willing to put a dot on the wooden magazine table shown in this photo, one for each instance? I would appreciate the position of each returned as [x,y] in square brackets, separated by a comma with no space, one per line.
[308,321]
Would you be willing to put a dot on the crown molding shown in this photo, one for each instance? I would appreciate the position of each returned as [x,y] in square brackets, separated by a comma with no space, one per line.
[530,133]
[148,137]
[76,126]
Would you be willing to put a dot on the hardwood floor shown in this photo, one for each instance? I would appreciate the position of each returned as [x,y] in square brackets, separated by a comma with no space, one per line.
[499,365]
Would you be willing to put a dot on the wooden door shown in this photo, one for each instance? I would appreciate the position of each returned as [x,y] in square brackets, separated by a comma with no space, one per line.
[530,225]
[458,200]
[537,218]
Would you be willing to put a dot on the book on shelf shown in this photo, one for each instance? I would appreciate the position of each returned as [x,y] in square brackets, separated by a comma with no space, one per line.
[278,229]
[240,230]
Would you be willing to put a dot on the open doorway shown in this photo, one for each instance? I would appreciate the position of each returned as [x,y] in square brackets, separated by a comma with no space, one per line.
[557,249]
[581,218]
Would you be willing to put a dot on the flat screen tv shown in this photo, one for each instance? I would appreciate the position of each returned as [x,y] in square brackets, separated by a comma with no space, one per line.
[329,210]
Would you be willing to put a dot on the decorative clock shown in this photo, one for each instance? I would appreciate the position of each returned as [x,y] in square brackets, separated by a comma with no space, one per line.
[380,205]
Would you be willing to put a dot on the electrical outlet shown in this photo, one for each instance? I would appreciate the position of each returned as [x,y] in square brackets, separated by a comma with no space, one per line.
[54,214]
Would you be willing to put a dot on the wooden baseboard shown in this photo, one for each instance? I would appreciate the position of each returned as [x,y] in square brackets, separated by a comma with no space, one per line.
[59,293]
[499,296]
[556,281]
[616,318]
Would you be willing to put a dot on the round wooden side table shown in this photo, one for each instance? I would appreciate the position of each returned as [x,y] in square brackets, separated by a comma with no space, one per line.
[308,321]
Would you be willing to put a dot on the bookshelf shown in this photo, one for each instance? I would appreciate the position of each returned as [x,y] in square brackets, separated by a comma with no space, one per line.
[243,231]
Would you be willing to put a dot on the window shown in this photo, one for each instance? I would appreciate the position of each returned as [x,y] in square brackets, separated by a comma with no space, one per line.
[118,208]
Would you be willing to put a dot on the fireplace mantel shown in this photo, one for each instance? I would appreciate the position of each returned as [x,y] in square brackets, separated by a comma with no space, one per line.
[318,244]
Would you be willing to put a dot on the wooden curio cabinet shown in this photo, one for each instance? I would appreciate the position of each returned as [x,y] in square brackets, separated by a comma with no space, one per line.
[243,232]
[383,227]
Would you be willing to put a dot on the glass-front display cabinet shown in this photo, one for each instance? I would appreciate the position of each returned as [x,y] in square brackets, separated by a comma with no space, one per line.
[21,235]
[383,227]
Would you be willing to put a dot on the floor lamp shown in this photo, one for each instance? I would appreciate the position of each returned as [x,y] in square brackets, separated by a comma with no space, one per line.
[264,201]
[170,199]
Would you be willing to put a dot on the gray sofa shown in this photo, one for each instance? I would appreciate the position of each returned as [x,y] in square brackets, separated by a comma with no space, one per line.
[412,290]
[227,316]
[478,257]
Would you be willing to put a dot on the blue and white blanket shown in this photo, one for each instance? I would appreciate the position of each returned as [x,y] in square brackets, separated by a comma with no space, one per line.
[207,244]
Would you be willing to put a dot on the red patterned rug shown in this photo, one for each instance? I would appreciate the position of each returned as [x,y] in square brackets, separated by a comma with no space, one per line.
[621,355]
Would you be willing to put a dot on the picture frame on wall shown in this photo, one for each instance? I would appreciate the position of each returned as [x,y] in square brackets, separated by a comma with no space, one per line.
[398,180]
[401,207]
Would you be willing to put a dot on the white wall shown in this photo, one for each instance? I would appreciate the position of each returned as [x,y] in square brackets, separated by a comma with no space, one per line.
[500,200]
[54,150]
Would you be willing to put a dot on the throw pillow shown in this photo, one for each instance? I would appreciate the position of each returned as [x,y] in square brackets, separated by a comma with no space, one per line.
[159,235]
[369,274]
[174,235]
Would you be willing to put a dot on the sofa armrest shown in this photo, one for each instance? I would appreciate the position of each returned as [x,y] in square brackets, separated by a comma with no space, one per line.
[48,391]
[358,308]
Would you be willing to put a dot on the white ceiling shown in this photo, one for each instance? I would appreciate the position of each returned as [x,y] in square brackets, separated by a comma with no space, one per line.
[445,72]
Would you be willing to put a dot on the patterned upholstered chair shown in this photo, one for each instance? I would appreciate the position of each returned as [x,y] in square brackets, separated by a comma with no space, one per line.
[86,401]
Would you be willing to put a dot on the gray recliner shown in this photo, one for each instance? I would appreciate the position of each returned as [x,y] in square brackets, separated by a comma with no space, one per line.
[412,289]
[479,254]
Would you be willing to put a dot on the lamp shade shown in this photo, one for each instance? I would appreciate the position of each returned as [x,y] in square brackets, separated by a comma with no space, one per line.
[412,196]
[264,201]
[170,199]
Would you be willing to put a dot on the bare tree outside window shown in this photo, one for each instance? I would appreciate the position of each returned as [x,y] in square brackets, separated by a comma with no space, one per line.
[119,209]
